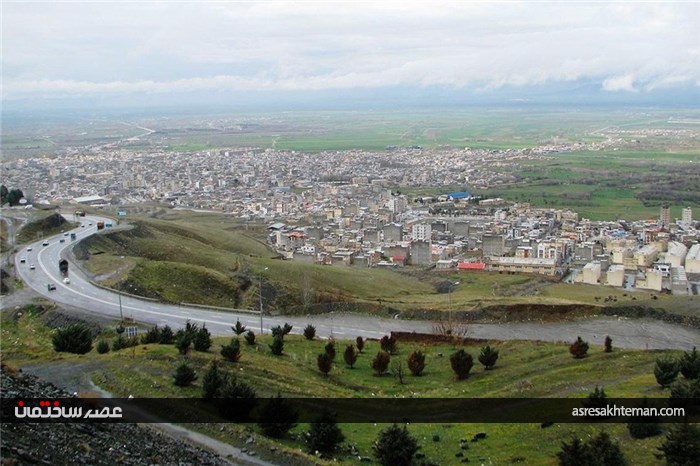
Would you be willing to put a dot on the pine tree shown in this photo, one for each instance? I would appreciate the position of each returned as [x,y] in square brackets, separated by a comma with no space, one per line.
[330,348]
[202,340]
[212,380]
[579,349]
[608,344]
[488,357]
[324,435]
[682,445]
[324,362]
[103,347]
[644,426]
[389,344]
[250,337]
[360,343]
[184,375]
[689,364]
[238,329]
[235,399]
[380,363]
[74,338]
[183,341]
[665,371]
[605,451]
[350,355]
[575,453]
[461,362]
[232,351]
[166,335]
[395,447]
[309,332]
[152,336]
[277,346]
[416,362]
[277,416]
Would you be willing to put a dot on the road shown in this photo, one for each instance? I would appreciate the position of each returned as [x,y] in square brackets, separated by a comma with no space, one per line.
[81,293]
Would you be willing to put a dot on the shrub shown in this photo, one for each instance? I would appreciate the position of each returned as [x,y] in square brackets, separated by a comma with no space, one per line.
[202,340]
[641,427]
[184,375]
[360,343]
[183,341]
[689,364]
[103,347]
[389,344]
[395,446]
[665,371]
[461,362]
[152,336]
[286,329]
[330,348]
[277,346]
[324,435]
[324,362]
[239,329]
[350,355]
[682,445]
[212,380]
[488,357]
[608,344]
[250,338]
[599,450]
[235,399]
[579,349]
[118,343]
[597,398]
[167,337]
[277,417]
[416,362]
[309,332]
[277,331]
[74,338]
[380,363]
[232,351]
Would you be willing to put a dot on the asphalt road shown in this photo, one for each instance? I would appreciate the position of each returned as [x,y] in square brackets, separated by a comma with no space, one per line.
[80,293]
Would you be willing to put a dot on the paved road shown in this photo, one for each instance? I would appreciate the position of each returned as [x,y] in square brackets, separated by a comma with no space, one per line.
[80,293]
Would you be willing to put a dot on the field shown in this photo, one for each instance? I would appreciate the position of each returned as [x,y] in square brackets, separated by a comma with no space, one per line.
[524,369]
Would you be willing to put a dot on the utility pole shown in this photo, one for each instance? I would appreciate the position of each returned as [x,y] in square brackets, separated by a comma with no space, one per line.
[261,302]
[449,301]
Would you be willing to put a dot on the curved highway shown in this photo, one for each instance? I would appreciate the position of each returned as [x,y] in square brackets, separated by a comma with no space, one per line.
[80,293]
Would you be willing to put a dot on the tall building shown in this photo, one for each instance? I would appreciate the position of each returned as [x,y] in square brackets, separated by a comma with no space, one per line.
[665,216]
[421,232]
[687,216]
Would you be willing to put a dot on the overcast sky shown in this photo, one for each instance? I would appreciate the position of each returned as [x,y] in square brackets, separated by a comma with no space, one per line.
[73,50]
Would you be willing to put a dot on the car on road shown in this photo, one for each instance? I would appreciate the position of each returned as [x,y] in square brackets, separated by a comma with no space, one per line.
[51,286]
[61,240]
[32,266]
[22,260]
[66,280]
[29,248]
[45,243]
[65,234]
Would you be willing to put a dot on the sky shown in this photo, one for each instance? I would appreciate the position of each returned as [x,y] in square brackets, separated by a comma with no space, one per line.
[114,52]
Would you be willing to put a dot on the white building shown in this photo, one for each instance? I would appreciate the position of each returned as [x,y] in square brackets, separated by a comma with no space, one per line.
[687,216]
[421,232]
[591,273]
[692,260]
[616,275]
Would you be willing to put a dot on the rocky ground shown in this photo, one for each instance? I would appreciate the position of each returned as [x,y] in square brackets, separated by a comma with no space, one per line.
[86,444]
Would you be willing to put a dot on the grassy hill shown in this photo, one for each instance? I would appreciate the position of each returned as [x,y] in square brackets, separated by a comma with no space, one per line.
[524,369]
[49,224]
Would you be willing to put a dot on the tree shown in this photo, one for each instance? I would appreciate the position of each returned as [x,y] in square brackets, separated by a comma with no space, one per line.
[232,351]
[608,344]
[324,435]
[3,194]
[277,417]
[597,398]
[250,338]
[389,344]
[380,363]
[166,335]
[13,197]
[682,445]
[644,426]
[152,336]
[665,371]
[118,343]
[689,364]
[287,328]
[277,346]
[235,399]
[598,451]
[324,362]
[212,380]
[575,453]
[488,357]
[350,355]
[395,446]
[103,347]
[184,375]
[239,328]
[202,340]
[183,341]
[579,348]
[416,362]
[74,338]
[461,362]
[330,348]
[360,343]
[309,332]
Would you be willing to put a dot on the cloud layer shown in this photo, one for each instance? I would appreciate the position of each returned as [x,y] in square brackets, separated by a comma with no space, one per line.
[82,49]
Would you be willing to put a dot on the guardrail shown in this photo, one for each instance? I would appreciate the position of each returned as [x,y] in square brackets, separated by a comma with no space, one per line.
[124,293]
[218,308]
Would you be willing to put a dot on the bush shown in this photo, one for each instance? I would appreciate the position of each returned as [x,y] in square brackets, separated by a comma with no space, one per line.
[250,338]
[330,348]
[608,344]
[389,344]
[689,364]
[152,336]
[184,375]
[183,341]
[395,447]
[579,349]
[235,399]
[360,343]
[212,380]
[324,362]
[277,417]
[488,357]
[416,362]
[232,351]
[380,363]
[239,329]
[277,346]
[309,332]
[286,329]
[167,337]
[281,331]
[202,340]
[74,338]
[597,398]
[665,371]
[682,445]
[118,343]
[103,347]
[461,362]
[641,427]
[598,451]
[324,435]
[350,355]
